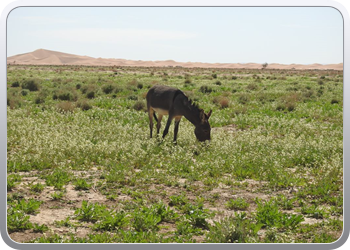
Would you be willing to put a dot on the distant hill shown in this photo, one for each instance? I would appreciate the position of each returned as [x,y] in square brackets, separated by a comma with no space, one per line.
[49,57]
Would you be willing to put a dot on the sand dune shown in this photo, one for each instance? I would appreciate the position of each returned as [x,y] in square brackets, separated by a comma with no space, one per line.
[49,57]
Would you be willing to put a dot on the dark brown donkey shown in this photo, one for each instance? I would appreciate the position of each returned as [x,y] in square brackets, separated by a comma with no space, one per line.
[170,101]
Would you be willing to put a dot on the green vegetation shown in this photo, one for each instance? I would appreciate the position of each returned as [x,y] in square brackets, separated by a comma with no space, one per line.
[78,150]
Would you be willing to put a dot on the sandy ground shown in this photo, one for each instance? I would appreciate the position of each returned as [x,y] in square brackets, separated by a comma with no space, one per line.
[48,57]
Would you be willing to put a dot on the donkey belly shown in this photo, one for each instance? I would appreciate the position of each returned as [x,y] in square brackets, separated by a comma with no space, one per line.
[161,111]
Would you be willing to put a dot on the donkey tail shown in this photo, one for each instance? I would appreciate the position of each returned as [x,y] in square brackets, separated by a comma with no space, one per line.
[155,117]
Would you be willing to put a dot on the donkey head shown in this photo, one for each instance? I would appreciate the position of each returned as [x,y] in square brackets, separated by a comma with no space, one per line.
[202,130]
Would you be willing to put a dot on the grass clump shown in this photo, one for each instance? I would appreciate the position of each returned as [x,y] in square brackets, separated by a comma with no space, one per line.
[205,89]
[239,204]
[84,105]
[65,107]
[238,229]
[140,105]
[31,84]
[108,88]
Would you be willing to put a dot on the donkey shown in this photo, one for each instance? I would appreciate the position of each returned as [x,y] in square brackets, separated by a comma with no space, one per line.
[170,101]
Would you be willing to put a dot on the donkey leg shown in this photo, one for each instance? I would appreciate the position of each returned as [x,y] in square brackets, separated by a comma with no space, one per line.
[176,129]
[150,116]
[159,123]
[166,130]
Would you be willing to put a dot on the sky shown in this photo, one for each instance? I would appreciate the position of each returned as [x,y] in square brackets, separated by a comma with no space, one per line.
[302,35]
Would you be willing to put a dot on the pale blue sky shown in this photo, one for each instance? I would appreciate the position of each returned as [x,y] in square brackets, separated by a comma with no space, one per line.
[286,35]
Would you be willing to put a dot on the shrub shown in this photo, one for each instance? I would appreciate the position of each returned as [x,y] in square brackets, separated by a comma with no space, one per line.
[107,89]
[90,94]
[87,88]
[39,99]
[224,103]
[252,86]
[239,204]
[65,96]
[118,89]
[214,75]
[218,83]
[205,89]
[243,99]
[234,77]
[236,229]
[132,97]
[31,84]
[84,105]
[78,86]
[334,101]
[290,106]
[13,101]
[139,85]
[139,105]
[81,184]
[24,92]
[188,80]
[65,107]
[15,84]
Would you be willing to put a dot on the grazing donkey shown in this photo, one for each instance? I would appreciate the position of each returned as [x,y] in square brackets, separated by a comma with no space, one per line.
[170,101]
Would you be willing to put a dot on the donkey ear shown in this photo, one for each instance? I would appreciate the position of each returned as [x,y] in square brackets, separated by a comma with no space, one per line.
[209,114]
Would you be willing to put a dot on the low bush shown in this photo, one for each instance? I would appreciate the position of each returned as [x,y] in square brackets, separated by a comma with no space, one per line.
[31,84]
[205,89]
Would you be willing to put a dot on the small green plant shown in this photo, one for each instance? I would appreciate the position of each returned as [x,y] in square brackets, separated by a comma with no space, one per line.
[37,188]
[81,184]
[314,211]
[40,228]
[178,200]
[269,215]
[165,213]
[197,215]
[58,179]
[17,220]
[184,227]
[90,212]
[64,223]
[239,204]
[110,221]
[29,207]
[57,196]
[285,202]
[12,181]
[145,219]
[238,229]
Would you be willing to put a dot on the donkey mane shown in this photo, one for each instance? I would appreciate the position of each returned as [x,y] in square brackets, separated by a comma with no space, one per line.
[194,106]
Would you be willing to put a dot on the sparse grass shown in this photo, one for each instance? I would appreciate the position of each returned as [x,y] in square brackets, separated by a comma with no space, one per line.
[94,158]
